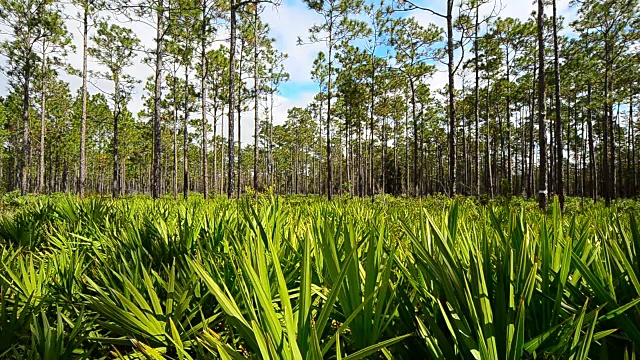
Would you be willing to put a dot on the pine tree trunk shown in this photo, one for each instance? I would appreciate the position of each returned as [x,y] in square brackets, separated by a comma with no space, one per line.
[414,117]
[25,126]
[43,119]
[203,63]
[185,137]
[542,173]
[232,71]
[115,188]
[558,121]
[83,121]
[215,142]
[255,107]
[452,104]
[175,138]
[592,155]
[477,105]
[157,97]
[330,63]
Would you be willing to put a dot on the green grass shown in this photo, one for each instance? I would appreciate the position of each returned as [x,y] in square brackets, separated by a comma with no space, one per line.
[303,278]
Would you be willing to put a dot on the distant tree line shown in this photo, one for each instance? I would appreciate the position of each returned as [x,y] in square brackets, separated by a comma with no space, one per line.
[528,109]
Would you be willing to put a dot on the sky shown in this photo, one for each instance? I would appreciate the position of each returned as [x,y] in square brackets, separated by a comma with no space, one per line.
[288,21]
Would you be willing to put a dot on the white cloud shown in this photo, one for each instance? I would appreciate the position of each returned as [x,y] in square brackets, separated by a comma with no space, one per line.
[287,22]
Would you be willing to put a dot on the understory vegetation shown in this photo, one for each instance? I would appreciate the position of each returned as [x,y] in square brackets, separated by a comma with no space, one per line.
[305,278]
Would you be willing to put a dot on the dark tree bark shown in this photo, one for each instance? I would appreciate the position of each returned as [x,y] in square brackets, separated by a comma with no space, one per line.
[185,137]
[157,97]
[330,63]
[255,107]
[592,155]
[542,112]
[452,105]
[558,121]
[477,106]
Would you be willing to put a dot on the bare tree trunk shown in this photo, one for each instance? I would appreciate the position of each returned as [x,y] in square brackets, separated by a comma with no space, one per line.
[83,122]
[215,142]
[531,122]
[558,123]
[634,183]
[255,107]
[488,170]
[239,113]
[232,72]
[115,189]
[592,154]
[203,61]
[606,178]
[452,104]
[477,105]
[542,178]
[157,141]
[414,190]
[25,127]
[185,137]
[175,138]
[43,119]
[330,63]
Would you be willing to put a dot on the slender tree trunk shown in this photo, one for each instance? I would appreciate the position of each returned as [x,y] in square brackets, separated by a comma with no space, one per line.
[222,152]
[175,139]
[203,63]
[606,176]
[531,122]
[634,182]
[270,157]
[330,63]
[558,122]
[508,123]
[373,87]
[592,154]
[185,137]
[215,141]
[488,170]
[465,179]
[232,72]
[25,127]
[414,190]
[477,105]
[452,104]
[542,111]
[157,97]
[115,189]
[383,165]
[396,169]
[239,113]
[406,154]
[584,158]
[43,119]
[83,121]
[255,107]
